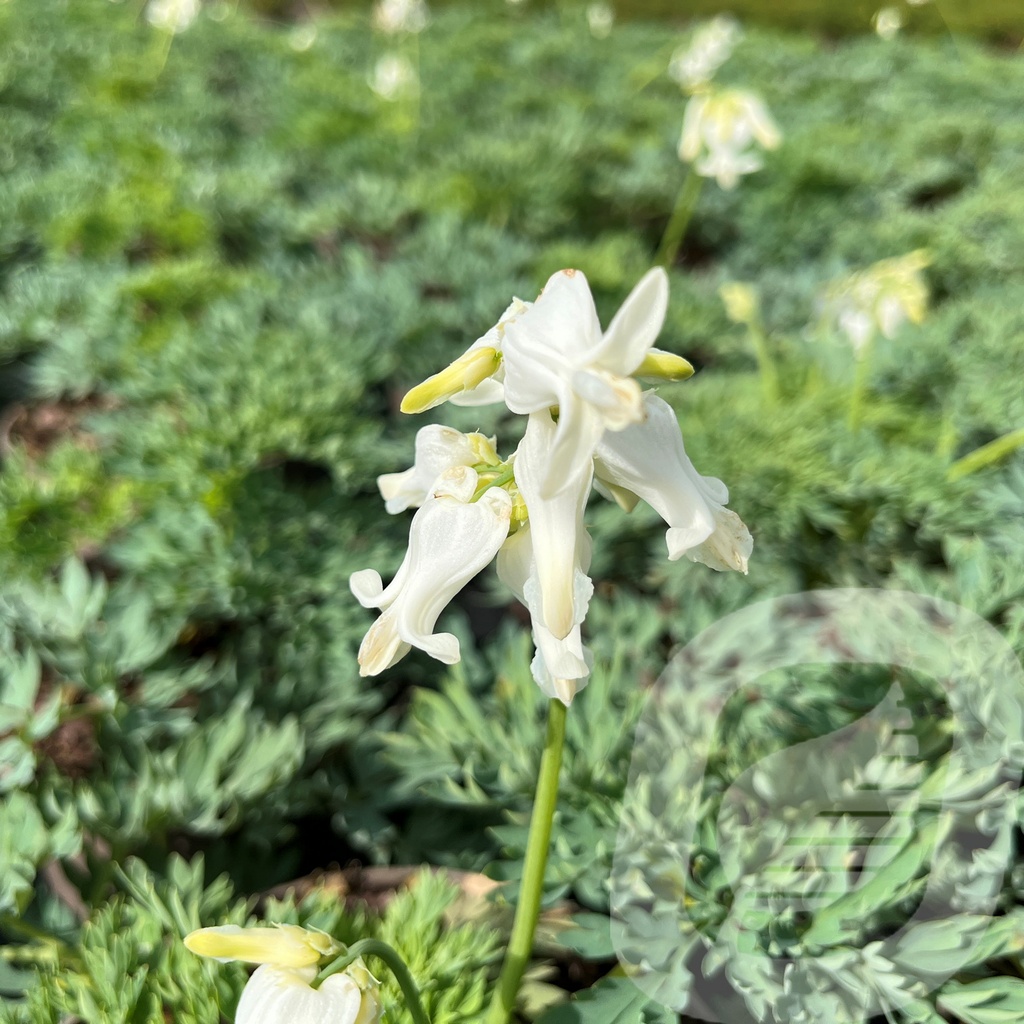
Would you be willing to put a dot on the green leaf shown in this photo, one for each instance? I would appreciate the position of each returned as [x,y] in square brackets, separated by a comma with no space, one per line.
[613,1000]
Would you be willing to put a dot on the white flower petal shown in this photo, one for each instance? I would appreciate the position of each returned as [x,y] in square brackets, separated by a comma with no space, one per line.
[650,460]
[450,541]
[438,449]
[636,326]
[556,523]
[281,995]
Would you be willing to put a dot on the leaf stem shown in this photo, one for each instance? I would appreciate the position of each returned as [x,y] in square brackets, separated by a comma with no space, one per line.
[860,385]
[531,889]
[986,454]
[686,203]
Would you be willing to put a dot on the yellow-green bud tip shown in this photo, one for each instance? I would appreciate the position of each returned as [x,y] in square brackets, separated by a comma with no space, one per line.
[469,370]
[664,366]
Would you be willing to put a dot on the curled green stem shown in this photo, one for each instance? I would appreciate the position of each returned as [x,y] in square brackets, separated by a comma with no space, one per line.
[397,966]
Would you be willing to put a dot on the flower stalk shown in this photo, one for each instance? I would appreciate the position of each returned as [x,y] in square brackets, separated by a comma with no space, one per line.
[397,966]
[531,888]
[686,203]
[986,455]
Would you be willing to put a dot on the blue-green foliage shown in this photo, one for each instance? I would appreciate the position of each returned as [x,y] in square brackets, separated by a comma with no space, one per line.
[220,268]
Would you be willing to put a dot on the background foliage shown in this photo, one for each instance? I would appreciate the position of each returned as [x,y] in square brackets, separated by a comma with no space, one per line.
[221,266]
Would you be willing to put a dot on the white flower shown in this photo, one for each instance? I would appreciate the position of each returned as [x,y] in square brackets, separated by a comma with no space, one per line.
[719,132]
[559,546]
[600,19]
[560,667]
[281,991]
[393,76]
[284,995]
[451,539]
[888,21]
[438,449]
[172,15]
[880,299]
[712,45]
[556,355]
[393,16]
[649,461]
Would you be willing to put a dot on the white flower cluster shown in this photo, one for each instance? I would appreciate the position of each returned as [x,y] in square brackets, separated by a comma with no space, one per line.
[880,299]
[695,65]
[590,425]
[393,76]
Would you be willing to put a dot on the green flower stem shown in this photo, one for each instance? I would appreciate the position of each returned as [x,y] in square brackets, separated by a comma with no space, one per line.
[986,454]
[531,889]
[860,386]
[686,203]
[504,477]
[397,966]
[769,378]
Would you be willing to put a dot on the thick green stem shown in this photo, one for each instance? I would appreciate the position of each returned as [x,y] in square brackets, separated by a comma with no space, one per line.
[531,889]
[860,386]
[986,454]
[686,203]
[397,966]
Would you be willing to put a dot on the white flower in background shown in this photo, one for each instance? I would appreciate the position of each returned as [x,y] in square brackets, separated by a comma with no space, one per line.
[880,299]
[600,19]
[280,991]
[587,414]
[393,76]
[720,130]
[392,16]
[888,21]
[172,15]
[740,301]
[556,355]
[648,460]
[694,66]
[451,539]
[302,37]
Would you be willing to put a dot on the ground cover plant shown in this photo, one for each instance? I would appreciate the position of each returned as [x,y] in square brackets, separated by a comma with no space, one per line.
[224,260]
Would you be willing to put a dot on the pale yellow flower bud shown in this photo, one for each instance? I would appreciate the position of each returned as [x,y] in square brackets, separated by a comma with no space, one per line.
[664,366]
[469,370]
[740,301]
[284,945]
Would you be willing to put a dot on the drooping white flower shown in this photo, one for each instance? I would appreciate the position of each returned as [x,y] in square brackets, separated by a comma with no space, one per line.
[172,15]
[438,449]
[695,65]
[393,76]
[556,355]
[451,539]
[649,461]
[280,991]
[284,995]
[600,19]
[392,16]
[888,21]
[720,129]
[560,667]
[879,299]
